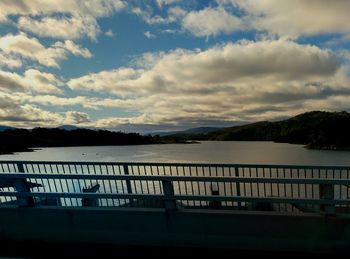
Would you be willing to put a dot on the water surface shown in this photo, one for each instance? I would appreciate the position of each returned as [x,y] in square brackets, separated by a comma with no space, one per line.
[242,152]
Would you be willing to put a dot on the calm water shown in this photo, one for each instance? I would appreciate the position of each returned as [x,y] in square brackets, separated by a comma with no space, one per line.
[207,152]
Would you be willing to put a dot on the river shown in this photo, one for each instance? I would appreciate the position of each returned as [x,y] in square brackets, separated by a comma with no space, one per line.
[241,152]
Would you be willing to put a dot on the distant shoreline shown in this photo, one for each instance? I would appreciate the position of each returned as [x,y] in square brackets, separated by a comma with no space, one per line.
[310,147]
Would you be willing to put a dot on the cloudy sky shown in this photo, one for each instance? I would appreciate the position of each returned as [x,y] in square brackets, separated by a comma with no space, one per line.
[148,65]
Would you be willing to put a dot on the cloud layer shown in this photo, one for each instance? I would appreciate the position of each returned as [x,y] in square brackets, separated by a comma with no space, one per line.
[30,48]
[235,81]
[280,71]
[69,19]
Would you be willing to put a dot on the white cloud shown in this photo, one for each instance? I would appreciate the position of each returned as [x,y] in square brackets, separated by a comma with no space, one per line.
[76,117]
[162,3]
[73,48]
[149,35]
[41,82]
[211,22]
[118,81]
[52,100]
[69,19]
[109,33]
[32,80]
[9,61]
[294,18]
[173,14]
[14,111]
[62,28]
[232,82]
[31,48]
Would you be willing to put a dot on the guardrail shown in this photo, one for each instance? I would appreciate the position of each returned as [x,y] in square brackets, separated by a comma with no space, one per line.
[282,188]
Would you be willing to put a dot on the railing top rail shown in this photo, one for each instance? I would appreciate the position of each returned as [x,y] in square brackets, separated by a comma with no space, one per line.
[177,164]
[178,178]
[178,197]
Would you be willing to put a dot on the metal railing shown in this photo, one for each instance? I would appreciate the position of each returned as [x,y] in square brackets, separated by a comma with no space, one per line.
[282,188]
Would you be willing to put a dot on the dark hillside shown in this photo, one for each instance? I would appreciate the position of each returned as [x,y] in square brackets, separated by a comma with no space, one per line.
[317,129]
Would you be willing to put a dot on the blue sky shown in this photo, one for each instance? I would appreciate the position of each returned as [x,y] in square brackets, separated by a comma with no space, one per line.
[170,64]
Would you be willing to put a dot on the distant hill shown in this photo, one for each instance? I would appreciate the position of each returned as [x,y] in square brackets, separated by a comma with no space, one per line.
[317,130]
[68,127]
[3,128]
[24,140]
[198,130]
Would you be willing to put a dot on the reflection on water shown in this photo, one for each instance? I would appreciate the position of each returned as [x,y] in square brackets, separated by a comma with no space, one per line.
[206,152]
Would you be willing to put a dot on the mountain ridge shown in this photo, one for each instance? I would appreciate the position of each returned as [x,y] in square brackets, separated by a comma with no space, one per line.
[315,130]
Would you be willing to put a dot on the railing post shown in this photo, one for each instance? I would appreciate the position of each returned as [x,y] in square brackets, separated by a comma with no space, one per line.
[238,187]
[22,186]
[168,190]
[214,191]
[327,194]
[91,202]
[128,184]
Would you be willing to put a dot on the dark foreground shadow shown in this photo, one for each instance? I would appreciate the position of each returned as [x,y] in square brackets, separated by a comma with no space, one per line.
[82,250]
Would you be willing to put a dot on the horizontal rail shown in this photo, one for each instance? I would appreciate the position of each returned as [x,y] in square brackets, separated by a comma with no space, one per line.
[178,178]
[176,197]
[178,164]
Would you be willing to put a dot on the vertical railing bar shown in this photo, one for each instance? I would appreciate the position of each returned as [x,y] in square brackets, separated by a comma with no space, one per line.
[251,184]
[291,185]
[264,184]
[73,183]
[184,173]
[347,189]
[42,182]
[205,186]
[62,188]
[84,181]
[298,185]
[312,185]
[340,186]
[116,183]
[2,168]
[154,182]
[6,197]
[147,182]
[141,185]
[257,184]
[278,188]
[238,187]
[225,191]
[66,181]
[109,183]
[244,184]
[133,182]
[199,186]
[193,193]
[103,182]
[89,173]
[191,186]
[319,176]
[284,176]
[53,180]
[51,170]
[271,185]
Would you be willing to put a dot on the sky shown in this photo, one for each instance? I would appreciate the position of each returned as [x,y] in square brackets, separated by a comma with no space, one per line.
[159,65]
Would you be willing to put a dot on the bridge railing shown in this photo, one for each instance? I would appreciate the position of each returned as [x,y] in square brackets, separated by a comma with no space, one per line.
[282,188]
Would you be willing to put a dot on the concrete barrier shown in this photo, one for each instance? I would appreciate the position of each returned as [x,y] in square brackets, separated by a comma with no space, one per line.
[267,231]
